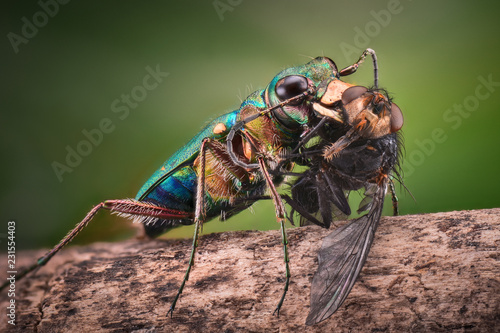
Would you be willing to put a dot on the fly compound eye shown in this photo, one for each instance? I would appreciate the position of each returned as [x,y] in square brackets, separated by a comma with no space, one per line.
[396,118]
[352,93]
[291,86]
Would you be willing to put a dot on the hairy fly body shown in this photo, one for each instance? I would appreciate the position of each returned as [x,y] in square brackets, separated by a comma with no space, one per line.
[359,150]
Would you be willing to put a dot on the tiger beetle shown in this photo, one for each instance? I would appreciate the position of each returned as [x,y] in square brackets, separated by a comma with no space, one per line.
[241,155]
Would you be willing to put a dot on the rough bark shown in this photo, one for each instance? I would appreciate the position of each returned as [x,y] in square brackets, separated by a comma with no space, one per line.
[434,272]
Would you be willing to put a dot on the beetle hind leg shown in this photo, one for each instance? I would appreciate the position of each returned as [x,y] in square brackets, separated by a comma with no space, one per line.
[124,207]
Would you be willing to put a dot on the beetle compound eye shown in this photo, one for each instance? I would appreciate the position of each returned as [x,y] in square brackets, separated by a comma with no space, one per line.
[291,86]
[334,66]
[396,118]
[350,94]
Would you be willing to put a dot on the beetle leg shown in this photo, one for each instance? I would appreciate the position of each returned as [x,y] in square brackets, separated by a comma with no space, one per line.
[229,143]
[124,207]
[280,216]
[309,135]
[241,124]
[301,144]
[199,217]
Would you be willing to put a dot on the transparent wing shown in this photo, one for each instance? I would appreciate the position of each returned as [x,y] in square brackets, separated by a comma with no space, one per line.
[341,258]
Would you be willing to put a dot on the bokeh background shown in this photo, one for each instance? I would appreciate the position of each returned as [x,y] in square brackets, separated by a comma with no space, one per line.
[63,80]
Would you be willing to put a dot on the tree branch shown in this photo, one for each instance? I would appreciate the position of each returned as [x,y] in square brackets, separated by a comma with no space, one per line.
[433,272]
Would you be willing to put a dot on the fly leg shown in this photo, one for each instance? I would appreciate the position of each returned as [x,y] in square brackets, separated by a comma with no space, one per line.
[295,206]
[280,216]
[126,207]
[199,217]
[395,200]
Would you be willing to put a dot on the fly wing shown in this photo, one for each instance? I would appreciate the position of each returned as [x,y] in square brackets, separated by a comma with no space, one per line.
[341,258]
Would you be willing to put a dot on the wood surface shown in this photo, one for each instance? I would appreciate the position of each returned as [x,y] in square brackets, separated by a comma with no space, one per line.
[425,273]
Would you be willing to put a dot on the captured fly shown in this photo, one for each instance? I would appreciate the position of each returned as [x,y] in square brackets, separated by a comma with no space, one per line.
[357,148]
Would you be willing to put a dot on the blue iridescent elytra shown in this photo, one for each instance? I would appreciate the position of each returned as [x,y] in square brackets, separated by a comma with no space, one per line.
[174,184]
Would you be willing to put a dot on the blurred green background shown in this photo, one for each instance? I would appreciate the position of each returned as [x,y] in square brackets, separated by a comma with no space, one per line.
[63,80]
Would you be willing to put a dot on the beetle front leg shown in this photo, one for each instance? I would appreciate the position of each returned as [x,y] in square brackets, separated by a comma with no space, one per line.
[280,216]
[241,125]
